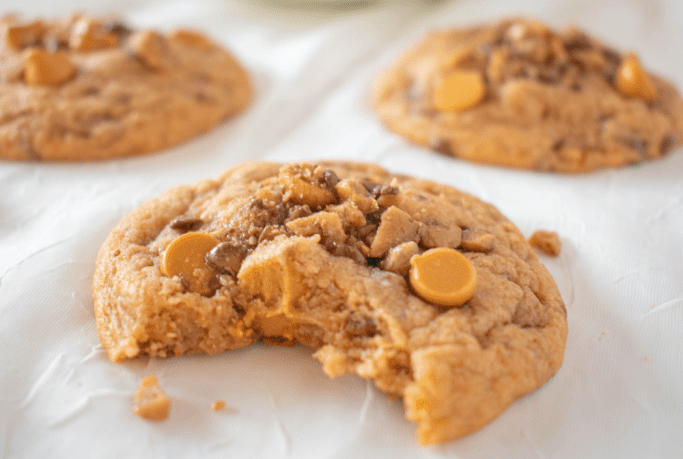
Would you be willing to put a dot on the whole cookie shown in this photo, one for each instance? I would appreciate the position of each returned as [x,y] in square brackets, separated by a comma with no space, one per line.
[85,89]
[518,94]
[326,255]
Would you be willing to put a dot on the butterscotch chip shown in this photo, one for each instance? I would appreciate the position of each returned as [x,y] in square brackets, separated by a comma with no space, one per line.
[88,89]
[517,94]
[151,402]
[87,34]
[48,69]
[632,80]
[295,264]
[19,36]
[459,90]
[547,242]
[443,276]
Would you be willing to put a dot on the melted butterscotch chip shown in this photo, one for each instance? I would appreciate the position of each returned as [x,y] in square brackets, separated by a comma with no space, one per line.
[186,257]
[371,270]
[517,94]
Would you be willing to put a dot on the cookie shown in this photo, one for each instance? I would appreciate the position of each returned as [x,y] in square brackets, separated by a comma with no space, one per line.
[425,290]
[519,95]
[87,89]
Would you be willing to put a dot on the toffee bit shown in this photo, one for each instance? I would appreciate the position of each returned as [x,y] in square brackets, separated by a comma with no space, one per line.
[117,28]
[577,44]
[441,146]
[365,230]
[282,213]
[388,190]
[668,143]
[227,257]
[185,283]
[612,56]
[636,143]
[358,325]
[375,217]
[330,178]
[299,212]
[257,203]
[346,250]
[214,283]
[371,187]
[268,233]
[185,224]
[550,76]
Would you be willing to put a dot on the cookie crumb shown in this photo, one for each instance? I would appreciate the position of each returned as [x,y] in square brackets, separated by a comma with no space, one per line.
[151,402]
[547,242]
[647,359]
[218,405]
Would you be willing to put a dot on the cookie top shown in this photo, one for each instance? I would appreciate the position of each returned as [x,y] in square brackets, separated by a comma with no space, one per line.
[517,94]
[85,89]
[325,255]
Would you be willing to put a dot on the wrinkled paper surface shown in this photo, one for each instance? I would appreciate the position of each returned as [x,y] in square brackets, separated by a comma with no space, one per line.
[619,393]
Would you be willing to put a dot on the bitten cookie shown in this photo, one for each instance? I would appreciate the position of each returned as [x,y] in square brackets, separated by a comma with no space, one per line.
[85,89]
[425,290]
[520,95]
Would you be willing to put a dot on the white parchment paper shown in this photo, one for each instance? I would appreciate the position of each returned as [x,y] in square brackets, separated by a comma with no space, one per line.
[619,393]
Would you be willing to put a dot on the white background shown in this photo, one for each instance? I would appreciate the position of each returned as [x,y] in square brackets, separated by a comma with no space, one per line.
[619,393]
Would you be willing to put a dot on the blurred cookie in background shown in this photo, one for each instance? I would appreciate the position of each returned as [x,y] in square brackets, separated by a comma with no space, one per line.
[518,94]
[86,88]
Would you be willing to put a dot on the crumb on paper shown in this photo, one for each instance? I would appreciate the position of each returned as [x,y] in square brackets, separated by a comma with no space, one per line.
[151,402]
[218,405]
[647,359]
[547,242]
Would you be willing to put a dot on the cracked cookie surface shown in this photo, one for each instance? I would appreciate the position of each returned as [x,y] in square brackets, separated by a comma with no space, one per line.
[87,89]
[517,94]
[320,255]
